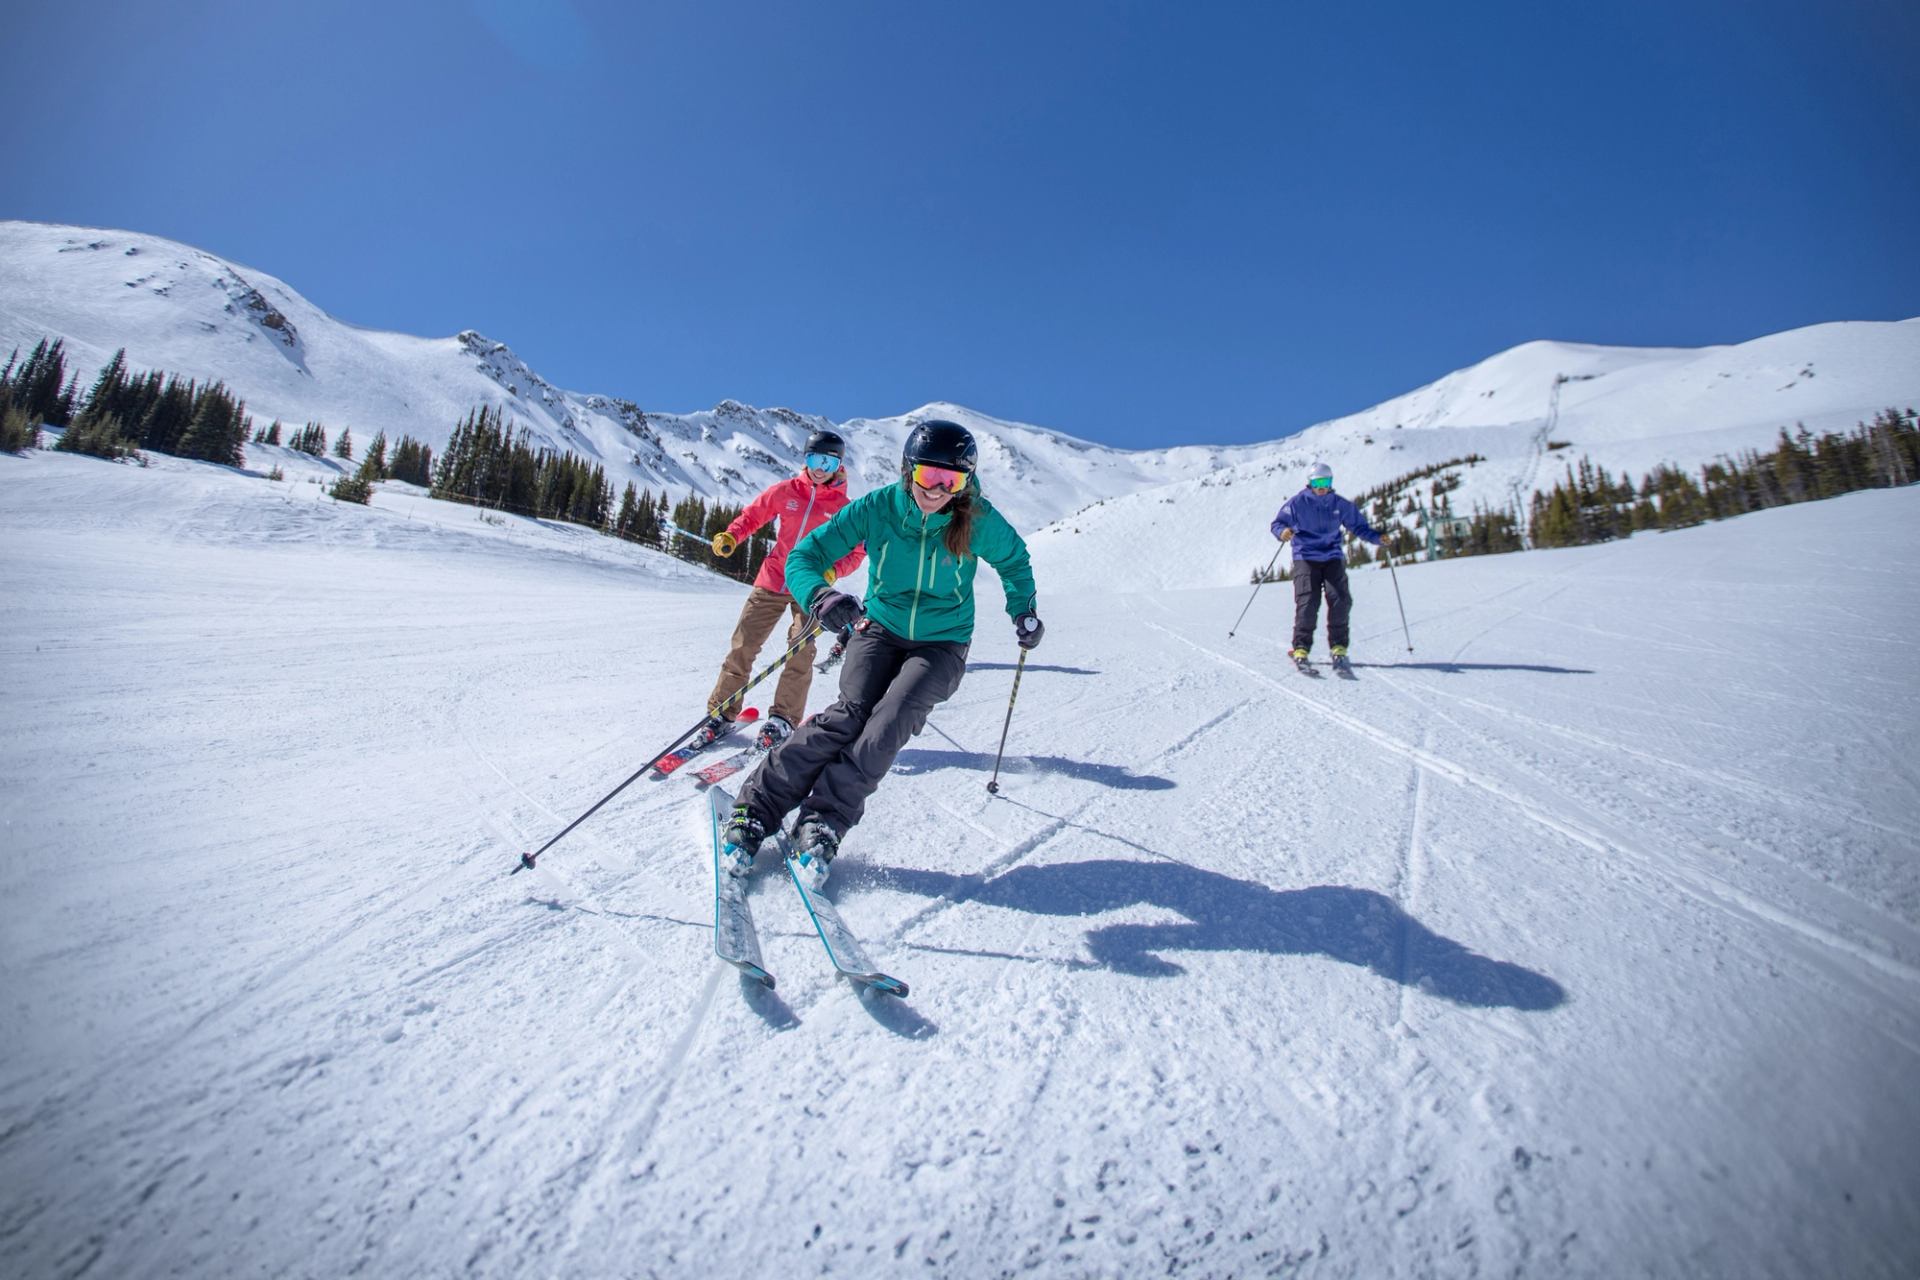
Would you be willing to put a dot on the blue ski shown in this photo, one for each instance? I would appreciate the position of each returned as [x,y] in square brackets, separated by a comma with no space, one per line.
[842,947]
[734,937]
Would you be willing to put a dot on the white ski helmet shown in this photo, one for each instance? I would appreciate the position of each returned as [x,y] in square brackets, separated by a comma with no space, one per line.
[1321,471]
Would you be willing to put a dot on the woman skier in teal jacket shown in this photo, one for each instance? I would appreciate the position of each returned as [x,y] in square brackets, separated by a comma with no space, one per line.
[925,538]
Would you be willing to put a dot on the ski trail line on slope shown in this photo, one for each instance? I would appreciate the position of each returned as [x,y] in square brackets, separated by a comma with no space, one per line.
[1412,864]
[1711,777]
[627,1149]
[1891,925]
[472,748]
[1704,887]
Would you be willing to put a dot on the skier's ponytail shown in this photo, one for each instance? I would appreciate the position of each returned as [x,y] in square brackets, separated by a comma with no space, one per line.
[958,535]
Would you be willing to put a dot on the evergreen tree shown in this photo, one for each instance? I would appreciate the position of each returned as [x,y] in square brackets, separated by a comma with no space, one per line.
[353,488]
[357,487]
[1892,454]
[99,435]
[311,440]
[646,525]
[1490,533]
[345,448]
[689,519]
[167,416]
[1793,467]
[377,455]
[18,432]
[218,430]
[627,520]
[412,462]
[110,394]
[37,385]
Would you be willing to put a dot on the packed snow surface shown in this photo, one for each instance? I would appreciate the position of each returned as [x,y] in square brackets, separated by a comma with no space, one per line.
[1583,939]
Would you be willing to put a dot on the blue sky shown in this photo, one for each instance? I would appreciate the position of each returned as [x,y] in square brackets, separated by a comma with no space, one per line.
[1140,223]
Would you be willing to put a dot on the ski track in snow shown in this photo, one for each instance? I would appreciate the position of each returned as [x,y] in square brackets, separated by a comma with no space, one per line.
[1577,953]
[1707,887]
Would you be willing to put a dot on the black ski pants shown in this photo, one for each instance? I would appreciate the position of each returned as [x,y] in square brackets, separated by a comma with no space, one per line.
[1310,578]
[834,761]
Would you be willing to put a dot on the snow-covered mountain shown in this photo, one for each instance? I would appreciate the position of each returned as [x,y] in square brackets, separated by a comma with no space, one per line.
[1529,412]
[1182,515]
[187,311]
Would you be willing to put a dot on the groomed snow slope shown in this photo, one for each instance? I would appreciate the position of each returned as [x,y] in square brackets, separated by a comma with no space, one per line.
[1582,941]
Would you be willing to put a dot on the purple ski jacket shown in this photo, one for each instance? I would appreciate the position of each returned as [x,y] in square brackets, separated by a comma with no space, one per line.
[1316,519]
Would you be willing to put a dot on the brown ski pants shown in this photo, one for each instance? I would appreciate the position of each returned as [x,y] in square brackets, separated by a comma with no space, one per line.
[757,618]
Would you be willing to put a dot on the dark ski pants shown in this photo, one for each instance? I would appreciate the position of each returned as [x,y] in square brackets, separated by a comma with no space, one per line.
[1310,578]
[834,761]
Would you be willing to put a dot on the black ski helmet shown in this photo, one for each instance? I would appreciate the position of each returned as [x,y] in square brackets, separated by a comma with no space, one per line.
[942,444]
[826,442]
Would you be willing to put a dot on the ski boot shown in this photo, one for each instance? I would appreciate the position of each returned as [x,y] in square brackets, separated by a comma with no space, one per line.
[814,846]
[707,734]
[833,658]
[1341,667]
[1300,661]
[740,841]
[775,731]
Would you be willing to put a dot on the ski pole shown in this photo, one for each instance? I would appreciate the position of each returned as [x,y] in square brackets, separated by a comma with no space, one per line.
[1392,573]
[1263,582]
[674,529]
[993,784]
[527,859]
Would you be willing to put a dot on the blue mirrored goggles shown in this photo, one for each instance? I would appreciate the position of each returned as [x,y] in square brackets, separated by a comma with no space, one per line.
[823,462]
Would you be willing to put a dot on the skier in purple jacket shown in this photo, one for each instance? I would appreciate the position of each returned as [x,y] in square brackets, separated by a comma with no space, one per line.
[1314,519]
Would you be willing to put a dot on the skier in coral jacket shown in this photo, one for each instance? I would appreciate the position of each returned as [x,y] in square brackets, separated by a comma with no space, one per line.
[801,504]
[1314,518]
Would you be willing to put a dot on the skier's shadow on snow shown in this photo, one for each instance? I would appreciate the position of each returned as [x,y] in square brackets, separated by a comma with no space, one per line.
[1458,667]
[1031,666]
[1354,926]
[915,761]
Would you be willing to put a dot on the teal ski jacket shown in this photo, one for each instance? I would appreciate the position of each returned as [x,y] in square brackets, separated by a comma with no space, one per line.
[915,589]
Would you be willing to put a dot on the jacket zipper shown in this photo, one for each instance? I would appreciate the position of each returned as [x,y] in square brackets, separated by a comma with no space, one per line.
[813,491]
[919,573]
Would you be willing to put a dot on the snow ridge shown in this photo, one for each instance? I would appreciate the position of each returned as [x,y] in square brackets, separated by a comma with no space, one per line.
[1184,514]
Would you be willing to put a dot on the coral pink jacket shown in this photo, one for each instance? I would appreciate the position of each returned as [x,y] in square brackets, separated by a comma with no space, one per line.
[801,506]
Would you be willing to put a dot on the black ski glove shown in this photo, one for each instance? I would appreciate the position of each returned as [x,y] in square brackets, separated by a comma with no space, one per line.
[835,610]
[1027,628]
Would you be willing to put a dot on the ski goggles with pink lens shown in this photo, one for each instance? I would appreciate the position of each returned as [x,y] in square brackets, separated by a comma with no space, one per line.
[939,479]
